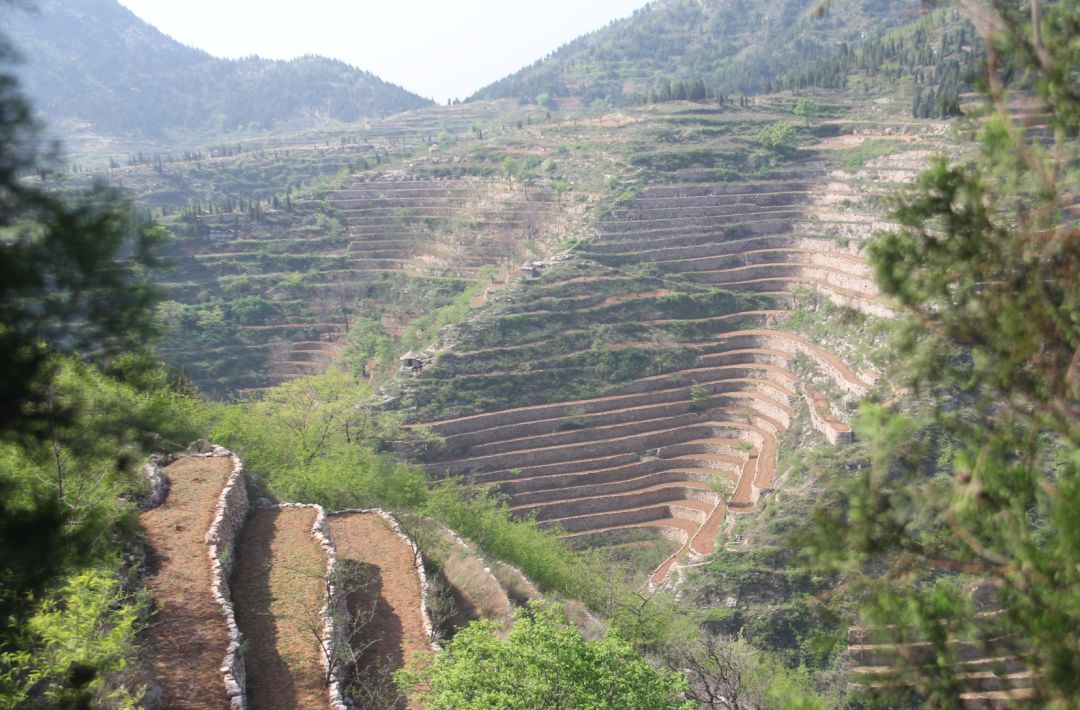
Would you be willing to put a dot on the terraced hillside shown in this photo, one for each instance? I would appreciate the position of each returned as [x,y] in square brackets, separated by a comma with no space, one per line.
[674,320]
[997,681]
[281,249]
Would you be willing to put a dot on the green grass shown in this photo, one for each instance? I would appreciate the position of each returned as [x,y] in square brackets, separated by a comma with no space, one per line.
[854,158]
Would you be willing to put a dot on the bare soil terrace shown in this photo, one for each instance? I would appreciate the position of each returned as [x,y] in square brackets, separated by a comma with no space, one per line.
[387,589]
[278,590]
[187,638]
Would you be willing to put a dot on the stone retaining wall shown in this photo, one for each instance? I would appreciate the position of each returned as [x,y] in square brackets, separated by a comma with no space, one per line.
[616,502]
[760,259]
[624,425]
[871,308]
[731,226]
[793,344]
[683,432]
[672,192]
[662,403]
[475,551]
[591,474]
[763,204]
[561,468]
[861,286]
[593,489]
[627,517]
[647,203]
[656,390]
[669,453]
[229,517]
[756,355]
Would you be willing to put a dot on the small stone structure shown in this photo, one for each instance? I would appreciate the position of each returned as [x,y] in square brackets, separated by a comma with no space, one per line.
[532,269]
[411,362]
[823,419]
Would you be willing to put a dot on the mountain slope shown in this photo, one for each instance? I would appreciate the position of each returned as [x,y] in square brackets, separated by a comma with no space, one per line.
[730,45]
[95,61]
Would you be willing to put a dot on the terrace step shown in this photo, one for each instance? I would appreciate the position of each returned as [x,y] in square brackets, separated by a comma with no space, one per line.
[188,621]
[380,573]
[660,493]
[278,592]
[692,512]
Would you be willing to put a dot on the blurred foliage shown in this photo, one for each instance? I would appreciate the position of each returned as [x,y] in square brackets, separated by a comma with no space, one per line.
[982,516]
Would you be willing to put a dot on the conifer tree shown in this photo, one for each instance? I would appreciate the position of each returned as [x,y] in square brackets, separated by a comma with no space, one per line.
[964,528]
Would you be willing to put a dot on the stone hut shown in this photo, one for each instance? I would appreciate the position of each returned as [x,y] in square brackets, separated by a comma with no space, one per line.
[411,362]
[531,269]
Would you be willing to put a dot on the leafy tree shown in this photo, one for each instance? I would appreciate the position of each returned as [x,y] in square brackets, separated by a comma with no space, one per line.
[543,663]
[778,137]
[980,489]
[81,401]
[368,345]
[806,109]
[86,631]
[317,439]
[699,397]
[510,166]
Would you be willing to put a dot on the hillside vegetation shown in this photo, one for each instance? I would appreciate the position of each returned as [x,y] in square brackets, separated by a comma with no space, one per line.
[729,46]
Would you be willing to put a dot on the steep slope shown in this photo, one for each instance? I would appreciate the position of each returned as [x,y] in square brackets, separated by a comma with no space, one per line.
[94,61]
[727,45]
[281,245]
[675,328]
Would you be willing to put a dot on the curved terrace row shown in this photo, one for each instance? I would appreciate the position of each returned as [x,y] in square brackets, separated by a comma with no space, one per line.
[675,451]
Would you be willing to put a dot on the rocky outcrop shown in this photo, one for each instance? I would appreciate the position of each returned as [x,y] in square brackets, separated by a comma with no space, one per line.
[157,481]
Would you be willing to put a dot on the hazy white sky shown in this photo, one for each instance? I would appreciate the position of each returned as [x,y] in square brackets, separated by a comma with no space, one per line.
[438,48]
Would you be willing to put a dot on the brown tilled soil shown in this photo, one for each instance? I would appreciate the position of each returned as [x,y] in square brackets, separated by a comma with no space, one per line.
[278,591]
[187,640]
[387,590]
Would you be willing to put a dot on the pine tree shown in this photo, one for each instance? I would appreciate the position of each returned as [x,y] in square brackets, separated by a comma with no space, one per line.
[976,486]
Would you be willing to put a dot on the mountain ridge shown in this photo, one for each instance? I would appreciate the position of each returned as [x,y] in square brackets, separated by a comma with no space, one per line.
[717,41]
[96,61]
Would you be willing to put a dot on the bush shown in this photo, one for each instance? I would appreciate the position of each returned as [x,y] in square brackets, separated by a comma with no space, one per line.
[544,662]
[82,637]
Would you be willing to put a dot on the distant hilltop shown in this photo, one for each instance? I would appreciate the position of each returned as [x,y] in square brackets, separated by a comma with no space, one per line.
[94,61]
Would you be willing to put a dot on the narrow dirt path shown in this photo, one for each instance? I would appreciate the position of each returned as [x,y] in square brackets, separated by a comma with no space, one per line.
[387,591]
[278,591]
[187,639]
